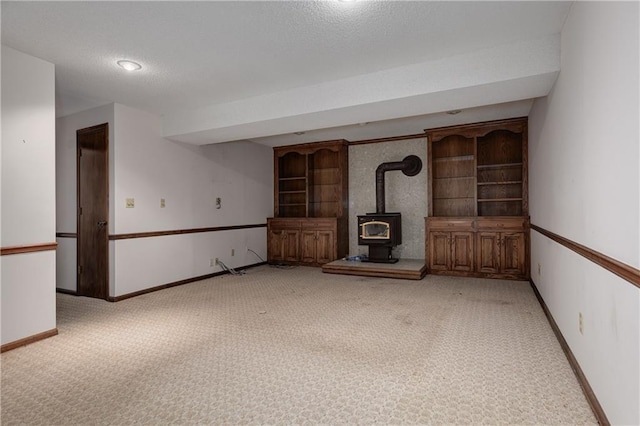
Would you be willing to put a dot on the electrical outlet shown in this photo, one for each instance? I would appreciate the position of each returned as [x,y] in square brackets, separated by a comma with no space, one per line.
[233,252]
[213,261]
[580,323]
[539,269]
[130,203]
[162,204]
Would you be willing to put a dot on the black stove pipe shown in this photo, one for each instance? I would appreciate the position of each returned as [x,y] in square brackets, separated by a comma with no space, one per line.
[410,166]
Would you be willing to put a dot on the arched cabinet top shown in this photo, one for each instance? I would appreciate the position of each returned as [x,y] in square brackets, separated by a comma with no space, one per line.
[516,125]
[310,148]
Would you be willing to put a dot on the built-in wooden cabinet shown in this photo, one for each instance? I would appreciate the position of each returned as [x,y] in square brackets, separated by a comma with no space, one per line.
[478,200]
[451,244]
[283,244]
[311,242]
[493,247]
[311,198]
[318,246]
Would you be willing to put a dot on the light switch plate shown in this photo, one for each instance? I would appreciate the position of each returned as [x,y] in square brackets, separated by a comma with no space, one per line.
[130,203]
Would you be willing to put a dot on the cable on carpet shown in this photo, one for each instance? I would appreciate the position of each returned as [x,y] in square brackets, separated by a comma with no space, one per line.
[230,270]
[261,259]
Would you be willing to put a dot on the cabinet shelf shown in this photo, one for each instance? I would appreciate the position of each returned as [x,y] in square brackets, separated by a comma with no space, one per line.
[510,182]
[492,200]
[498,166]
[453,198]
[292,204]
[455,158]
[293,178]
[445,179]
[293,192]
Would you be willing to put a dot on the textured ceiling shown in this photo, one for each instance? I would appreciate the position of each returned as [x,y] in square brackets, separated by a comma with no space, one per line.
[222,71]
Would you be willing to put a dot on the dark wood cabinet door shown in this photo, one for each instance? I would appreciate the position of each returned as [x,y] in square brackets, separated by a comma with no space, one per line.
[317,246]
[462,251]
[439,251]
[325,247]
[488,252]
[513,253]
[275,246]
[308,246]
[291,245]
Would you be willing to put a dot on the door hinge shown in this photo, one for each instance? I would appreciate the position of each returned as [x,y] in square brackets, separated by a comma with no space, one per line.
[80,210]
[79,269]
[80,153]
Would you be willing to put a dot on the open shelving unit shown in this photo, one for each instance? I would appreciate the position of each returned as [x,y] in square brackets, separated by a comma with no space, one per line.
[499,174]
[454,178]
[310,223]
[478,200]
[292,185]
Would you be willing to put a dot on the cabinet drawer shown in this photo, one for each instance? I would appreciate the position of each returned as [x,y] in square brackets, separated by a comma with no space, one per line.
[280,223]
[319,224]
[500,223]
[450,224]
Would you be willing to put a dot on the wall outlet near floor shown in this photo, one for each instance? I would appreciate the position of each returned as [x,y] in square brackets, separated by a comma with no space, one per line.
[580,323]
[233,252]
[130,203]
[213,261]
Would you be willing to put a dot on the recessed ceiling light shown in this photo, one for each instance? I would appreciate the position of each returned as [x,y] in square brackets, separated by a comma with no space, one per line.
[454,112]
[129,65]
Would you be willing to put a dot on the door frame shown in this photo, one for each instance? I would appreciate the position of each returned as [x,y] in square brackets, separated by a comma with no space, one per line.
[106,183]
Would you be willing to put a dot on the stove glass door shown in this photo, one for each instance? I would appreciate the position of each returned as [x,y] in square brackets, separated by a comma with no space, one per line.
[375,230]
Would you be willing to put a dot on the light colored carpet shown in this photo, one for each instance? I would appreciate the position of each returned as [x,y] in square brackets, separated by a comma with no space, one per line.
[298,346]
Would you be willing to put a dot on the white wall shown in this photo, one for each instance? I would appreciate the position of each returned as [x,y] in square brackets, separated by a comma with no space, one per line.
[28,195]
[189,178]
[584,185]
[146,167]
[404,194]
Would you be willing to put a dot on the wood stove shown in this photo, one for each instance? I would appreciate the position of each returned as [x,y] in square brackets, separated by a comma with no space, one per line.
[382,231]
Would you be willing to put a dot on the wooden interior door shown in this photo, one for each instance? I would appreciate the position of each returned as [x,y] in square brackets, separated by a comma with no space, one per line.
[93,211]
